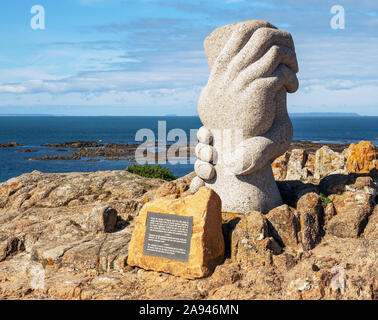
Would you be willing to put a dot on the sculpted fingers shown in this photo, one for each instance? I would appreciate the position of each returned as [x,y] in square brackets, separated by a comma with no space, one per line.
[240,36]
[286,77]
[277,54]
[268,87]
[196,183]
[241,160]
[204,152]
[204,170]
[268,63]
[261,40]
[204,135]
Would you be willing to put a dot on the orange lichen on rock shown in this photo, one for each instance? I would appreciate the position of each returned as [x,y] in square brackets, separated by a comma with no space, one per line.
[327,161]
[8,189]
[279,166]
[361,157]
[229,216]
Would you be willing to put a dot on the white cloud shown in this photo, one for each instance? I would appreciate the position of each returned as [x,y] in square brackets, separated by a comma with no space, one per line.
[160,60]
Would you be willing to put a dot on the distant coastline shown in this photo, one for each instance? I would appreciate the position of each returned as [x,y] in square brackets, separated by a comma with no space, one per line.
[325,114]
[26,115]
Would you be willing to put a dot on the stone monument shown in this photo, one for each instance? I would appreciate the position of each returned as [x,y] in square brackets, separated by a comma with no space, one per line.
[243,110]
[182,237]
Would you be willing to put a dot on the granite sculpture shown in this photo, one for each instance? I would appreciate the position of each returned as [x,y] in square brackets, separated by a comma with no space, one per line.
[244,115]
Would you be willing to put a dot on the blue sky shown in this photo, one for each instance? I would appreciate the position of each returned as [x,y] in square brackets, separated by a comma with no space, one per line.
[146,57]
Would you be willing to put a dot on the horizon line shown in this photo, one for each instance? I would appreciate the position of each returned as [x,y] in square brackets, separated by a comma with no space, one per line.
[167,115]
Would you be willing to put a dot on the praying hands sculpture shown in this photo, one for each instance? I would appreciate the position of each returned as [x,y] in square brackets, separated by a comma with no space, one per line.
[243,110]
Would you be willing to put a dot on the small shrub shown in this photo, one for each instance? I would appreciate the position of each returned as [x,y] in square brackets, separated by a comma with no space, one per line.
[324,198]
[150,171]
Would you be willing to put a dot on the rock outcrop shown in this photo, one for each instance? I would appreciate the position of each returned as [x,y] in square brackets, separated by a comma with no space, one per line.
[310,218]
[328,162]
[279,166]
[361,158]
[102,218]
[251,238]
[283,224]
[10,145]
[321,244]
[371,230]
[296,169]
[352,212]
[305,164]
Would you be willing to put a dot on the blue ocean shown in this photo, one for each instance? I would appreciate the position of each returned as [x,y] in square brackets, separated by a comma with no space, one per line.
[34,131]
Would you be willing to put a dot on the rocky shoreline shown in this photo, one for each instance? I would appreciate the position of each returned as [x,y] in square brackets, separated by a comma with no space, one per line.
[93,151]
[322,243]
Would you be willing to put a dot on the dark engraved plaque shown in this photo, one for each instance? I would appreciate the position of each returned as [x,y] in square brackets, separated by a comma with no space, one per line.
[168,236]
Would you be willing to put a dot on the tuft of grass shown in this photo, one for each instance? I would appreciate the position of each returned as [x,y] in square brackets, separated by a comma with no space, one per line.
[150,171]
[324,198]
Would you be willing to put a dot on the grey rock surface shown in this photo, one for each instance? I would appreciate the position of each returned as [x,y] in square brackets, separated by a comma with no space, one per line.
[102,218]
[309,209]
[244,115]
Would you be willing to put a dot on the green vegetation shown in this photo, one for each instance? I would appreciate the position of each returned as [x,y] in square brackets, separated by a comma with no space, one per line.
[324,198]
[150,171]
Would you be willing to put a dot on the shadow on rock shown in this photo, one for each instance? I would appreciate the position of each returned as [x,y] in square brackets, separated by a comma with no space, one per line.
[292,190]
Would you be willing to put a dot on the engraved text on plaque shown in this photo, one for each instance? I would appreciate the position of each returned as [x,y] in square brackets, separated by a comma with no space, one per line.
[168,236]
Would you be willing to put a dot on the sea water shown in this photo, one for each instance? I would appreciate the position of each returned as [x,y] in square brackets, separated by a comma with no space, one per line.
[34,131]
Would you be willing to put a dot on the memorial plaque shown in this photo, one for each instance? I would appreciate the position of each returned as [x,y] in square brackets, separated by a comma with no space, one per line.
[168,236]
[187,243]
